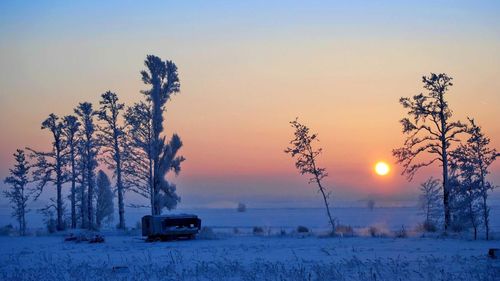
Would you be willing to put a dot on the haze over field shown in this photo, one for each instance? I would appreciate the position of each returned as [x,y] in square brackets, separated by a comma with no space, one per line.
[246,70]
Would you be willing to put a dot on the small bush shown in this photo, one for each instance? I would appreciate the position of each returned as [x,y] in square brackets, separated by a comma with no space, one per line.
[374,231]
[241,207]
[426,227]
[344,230]
[258,230]
[7,230]
[302,229]
[51,225]
[457,226]
[86,236]
[401,233]
[207,233]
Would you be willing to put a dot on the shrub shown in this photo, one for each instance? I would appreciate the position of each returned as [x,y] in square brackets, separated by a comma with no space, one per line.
[207,233]
[373,230]
[7,230]
[344,230]
[258,230]
[457,226]
[241,207]
[51,225]
[302,229]
[426,227]
[401,233]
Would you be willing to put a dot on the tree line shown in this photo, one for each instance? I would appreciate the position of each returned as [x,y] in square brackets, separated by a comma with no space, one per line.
[129,141]
[462,150]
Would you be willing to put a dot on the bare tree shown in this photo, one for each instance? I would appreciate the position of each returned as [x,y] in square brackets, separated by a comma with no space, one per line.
[70,130]
[473,159]
[18,194]
[104,199]
[302,150]
[430,202]
[89,153]
[113,141]
[163,78]
[429,131]
[49,166]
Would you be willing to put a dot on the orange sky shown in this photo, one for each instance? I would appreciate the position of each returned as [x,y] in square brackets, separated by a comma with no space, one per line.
[244,75]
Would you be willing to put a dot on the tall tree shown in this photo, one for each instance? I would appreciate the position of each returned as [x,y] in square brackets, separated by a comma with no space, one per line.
[89,153]
[113,142]
[18,194]
[429,130]
[474,159]
[163,78]
[305,154]
[138,164]
[82,184]
[104,199]
[49,166]
[70,130]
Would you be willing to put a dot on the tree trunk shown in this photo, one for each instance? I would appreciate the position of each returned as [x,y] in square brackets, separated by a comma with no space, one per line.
[444,158]
[486,217]
[73,187]
[121,207]
[151,190]
[446,193]
[83,205]
[90,210]
[119,184]
[60,223]
[90,194]
[332,223]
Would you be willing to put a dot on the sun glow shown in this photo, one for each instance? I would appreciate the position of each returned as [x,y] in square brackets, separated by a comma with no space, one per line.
[382,168]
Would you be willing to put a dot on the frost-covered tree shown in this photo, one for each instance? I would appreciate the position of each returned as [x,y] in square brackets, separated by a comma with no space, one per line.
[429,131]
[138,158]
[430,202]
[465,203]
[473,160]
[90,148]
[18,194]
[305,155]
[163,78]
[70,130]
[104,199]
[113,144]
[81,198]
[49,166]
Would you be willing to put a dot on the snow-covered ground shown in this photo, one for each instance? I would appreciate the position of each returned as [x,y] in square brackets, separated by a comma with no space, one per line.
[248,257]
[279,253]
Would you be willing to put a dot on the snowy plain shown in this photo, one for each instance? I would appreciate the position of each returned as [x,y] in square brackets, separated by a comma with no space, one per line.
[234,252]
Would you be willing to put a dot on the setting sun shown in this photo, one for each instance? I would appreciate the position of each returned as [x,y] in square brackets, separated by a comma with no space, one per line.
[382,168]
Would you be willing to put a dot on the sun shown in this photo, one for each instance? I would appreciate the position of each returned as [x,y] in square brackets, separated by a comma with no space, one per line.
[382,168]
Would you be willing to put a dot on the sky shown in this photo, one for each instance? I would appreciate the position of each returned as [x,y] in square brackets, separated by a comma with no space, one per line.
[247,68]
